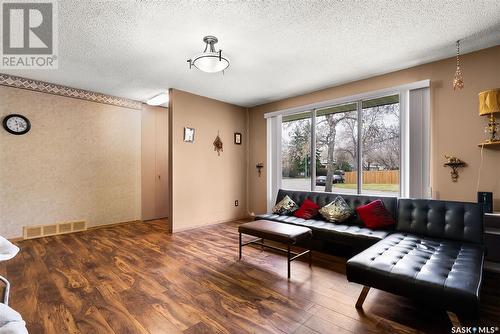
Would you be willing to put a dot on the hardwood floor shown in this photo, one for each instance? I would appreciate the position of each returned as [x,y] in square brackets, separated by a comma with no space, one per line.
[137,278]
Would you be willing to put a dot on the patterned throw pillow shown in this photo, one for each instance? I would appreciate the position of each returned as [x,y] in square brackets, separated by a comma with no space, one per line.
[285,207]
[336,211]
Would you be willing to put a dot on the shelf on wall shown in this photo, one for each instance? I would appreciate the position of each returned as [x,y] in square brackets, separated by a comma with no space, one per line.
[493,146]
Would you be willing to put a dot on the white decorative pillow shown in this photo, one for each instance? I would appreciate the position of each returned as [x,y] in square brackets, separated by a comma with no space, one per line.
[337,210]
[285,207]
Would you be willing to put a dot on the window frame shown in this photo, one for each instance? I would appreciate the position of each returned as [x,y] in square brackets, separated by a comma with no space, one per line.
[409,138]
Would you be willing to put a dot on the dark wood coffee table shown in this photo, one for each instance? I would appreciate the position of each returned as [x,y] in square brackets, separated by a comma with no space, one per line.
[279,232]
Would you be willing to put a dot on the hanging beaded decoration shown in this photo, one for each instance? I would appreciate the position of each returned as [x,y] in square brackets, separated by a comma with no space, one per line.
[458,80]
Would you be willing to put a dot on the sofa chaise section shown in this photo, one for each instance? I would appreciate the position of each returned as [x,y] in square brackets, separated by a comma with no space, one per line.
[435,255]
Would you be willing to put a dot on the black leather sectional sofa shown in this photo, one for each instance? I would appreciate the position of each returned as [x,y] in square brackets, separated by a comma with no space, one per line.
[434,253]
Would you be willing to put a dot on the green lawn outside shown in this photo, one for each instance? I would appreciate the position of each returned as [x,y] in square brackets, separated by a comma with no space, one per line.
[369,186]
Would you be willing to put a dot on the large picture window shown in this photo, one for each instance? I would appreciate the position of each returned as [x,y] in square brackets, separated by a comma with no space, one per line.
[352,147]
[374,143]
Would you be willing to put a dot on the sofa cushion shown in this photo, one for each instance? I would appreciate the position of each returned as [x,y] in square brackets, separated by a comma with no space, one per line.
[307,210]
[375,215]
[356,237]
[323,198]
[444,272]
[337,210]
[285,206]
[281,218]
[458,221]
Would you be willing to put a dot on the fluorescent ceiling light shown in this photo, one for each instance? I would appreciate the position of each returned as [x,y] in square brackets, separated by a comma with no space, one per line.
[158,100]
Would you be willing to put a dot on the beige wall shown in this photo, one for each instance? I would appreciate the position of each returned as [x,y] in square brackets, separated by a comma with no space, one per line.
[456,127]
[80,161]
[205,185]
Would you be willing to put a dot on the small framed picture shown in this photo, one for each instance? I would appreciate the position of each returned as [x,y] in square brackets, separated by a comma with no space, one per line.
[188,135]
[237,138]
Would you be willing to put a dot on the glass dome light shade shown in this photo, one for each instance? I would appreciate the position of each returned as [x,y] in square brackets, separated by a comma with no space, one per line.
[210,62]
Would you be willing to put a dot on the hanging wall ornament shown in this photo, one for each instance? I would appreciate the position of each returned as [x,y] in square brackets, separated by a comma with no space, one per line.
[218,144]
[458,80]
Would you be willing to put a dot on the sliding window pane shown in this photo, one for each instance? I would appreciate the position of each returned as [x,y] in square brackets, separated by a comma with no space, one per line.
[380,138]
[296,152]
[336,149]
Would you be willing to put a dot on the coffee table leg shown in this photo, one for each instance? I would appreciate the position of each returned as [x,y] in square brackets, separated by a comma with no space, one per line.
[240,247]
[288,258]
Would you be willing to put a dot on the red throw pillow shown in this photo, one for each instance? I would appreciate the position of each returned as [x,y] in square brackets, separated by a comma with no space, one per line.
[307,210]
[375,215]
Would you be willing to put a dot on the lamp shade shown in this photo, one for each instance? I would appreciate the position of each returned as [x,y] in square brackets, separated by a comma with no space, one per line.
[210,62]
[489,102]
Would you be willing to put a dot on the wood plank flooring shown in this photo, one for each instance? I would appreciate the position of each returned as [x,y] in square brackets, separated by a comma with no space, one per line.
[137,278]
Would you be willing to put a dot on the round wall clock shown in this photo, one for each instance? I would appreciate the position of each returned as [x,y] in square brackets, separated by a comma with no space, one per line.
[16,124]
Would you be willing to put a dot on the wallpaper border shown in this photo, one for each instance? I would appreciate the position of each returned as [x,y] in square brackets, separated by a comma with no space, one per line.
[55,89]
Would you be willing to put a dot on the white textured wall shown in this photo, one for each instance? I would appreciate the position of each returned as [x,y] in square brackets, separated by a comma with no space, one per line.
[80,161]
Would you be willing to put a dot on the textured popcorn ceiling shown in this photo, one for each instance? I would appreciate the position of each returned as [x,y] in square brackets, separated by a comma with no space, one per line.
[135,49]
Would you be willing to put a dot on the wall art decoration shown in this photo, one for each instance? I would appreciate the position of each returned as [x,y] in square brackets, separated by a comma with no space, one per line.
[218,145]
[188,135]
[237,138]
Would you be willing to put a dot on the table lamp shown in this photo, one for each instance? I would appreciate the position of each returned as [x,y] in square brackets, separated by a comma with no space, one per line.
[489,104]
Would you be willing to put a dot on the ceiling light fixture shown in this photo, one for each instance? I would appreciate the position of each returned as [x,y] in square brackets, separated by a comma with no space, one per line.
[158,99]
[209,60]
